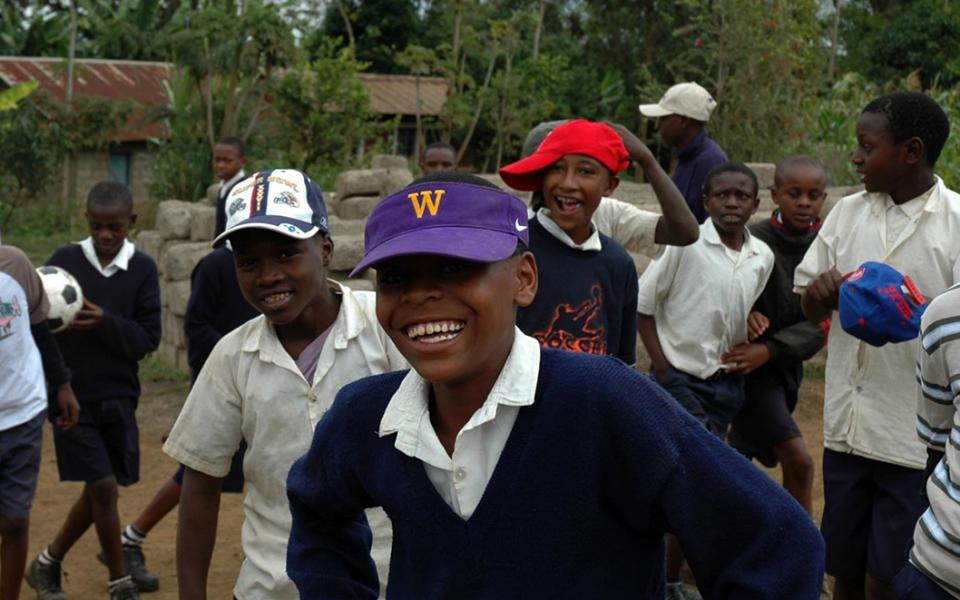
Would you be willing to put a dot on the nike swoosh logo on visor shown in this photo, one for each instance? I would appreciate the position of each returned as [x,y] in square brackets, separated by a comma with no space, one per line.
[519,226]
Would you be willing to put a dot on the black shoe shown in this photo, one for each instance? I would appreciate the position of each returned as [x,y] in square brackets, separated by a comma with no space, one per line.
[125,589]
[46,580]
[136,567]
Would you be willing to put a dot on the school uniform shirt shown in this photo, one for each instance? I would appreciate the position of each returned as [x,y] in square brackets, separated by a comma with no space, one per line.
[866,411]
[586,301]
[936,552]
[251,388]
[462,478]
[105,360]
[633,228]
[700,297]
[694,161]
[23,392]
[120,262]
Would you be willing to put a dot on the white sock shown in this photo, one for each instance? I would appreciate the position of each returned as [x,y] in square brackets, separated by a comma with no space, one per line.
[131,536]
[115,582]
[46,558]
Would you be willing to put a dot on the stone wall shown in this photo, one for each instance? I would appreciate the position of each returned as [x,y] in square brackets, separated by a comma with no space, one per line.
[93,167]
[184,230]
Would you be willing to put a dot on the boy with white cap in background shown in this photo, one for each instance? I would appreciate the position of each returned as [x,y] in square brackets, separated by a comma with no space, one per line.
[682,112]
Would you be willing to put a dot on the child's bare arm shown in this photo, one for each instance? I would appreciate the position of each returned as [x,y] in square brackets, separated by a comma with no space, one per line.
[677,225]
[647,329]
[196,532]
[820,298]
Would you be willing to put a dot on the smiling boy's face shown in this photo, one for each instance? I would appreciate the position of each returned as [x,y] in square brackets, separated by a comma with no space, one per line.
[453,319]
[572,189]
[280,276]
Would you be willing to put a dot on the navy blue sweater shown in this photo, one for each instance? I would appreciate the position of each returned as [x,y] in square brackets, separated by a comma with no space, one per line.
[586,301]
[592,475]
[216,306]
[104,360]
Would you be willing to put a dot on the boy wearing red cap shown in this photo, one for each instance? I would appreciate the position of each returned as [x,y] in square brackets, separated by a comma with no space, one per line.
[469,453]
[588,283]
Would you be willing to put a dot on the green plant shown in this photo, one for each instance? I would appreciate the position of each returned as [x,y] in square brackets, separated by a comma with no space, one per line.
[155,369]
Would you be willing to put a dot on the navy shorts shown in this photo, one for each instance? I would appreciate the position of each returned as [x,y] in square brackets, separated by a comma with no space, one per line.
[911,584]
[20,466]
[714,401]
[105,442]
[870,511]
[766,418]
[233,482]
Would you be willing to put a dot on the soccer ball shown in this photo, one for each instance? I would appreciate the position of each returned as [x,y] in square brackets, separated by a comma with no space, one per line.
[63,294]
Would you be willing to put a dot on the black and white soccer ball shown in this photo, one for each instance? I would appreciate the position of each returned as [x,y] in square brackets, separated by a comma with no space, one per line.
[63,294]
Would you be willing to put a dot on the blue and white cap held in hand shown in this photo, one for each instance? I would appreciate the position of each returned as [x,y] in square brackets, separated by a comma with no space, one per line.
[284,201]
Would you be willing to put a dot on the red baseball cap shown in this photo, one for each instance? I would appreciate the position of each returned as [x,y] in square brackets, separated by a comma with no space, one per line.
[596,140]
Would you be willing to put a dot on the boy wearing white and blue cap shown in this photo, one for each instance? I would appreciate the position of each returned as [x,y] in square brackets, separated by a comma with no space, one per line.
[270,380]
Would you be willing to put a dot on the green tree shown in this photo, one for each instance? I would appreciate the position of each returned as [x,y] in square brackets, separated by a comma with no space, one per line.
[380,29]
[322,112]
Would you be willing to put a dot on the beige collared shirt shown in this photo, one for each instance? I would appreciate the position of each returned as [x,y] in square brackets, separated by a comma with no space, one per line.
[462,478]
[633,228]
[868,403]
[119,262]
[700,296]
[251,388]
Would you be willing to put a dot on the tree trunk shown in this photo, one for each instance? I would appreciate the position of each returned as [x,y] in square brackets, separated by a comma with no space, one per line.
[834,35]
[351,41]
[539,29]
[479,111]
[69,166]
[418,140]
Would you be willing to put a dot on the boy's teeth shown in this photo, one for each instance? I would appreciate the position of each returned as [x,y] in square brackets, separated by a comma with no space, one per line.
[440,330]
[275,298]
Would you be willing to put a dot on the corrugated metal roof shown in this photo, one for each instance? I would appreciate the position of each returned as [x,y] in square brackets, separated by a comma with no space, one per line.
[142,82]
[397,94]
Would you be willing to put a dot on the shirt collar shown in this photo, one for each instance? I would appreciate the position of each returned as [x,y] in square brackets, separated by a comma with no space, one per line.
[120,262]
[350,322]
[515,386]
[592,243]
[225,185]
[933,199]
[710,235]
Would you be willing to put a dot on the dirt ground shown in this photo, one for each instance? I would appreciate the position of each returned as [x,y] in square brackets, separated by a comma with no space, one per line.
[85,578]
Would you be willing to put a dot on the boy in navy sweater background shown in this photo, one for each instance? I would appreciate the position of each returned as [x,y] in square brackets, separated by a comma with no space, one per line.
[117,326]
[511,471]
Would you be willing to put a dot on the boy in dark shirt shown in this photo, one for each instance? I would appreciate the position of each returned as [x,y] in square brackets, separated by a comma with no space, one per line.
[117,326]
[514,471]
[773,363]
[588,285]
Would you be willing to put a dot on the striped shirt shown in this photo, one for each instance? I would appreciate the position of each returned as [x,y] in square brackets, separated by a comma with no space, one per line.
[936,550]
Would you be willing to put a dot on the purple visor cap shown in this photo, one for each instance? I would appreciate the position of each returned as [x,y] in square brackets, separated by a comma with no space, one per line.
[462,220]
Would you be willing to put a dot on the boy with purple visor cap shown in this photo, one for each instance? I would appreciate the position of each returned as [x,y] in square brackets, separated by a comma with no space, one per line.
[271,380]
[479,455]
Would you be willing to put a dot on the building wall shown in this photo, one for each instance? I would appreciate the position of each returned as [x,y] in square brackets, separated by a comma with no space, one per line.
[93,167]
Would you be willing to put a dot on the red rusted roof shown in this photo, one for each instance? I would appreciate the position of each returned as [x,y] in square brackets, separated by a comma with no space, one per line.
[397,94]
[142,82]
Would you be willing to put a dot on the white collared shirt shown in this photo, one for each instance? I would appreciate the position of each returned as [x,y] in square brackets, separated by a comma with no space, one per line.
[119,262]
[226,185]
[592,243]
[701,295]
[462,478]
[633,228]
[868,402]
[251,388]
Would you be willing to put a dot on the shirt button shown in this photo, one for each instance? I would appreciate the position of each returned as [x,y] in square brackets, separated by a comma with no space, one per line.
[313,397]
[859,389]
[459,474]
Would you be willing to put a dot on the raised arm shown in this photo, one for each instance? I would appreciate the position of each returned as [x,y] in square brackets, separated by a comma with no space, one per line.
[677,225]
